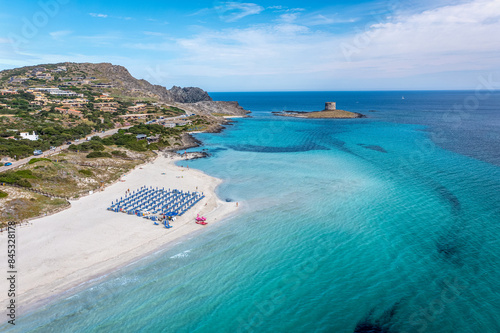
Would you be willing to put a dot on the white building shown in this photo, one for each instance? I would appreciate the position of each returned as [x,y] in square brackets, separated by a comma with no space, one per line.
[59,92]
[26,135]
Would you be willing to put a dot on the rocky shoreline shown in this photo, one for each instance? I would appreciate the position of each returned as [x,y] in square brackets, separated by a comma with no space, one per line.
[325,114]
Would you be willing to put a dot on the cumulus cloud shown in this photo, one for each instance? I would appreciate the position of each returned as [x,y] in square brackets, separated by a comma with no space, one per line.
[289,17]
[452,37]
[291,52]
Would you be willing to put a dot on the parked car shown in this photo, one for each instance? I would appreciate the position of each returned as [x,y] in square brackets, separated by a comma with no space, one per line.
[8,164]
[52,147]
[37,152]
[76,140]
[68,143]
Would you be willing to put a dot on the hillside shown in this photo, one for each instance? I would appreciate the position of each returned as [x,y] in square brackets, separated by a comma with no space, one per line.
[108,78]
[118,76]
[49,105]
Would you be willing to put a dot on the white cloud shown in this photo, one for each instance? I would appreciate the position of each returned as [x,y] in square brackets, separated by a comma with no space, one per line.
[98,15]
[320,19]
[153,33]
[234,11]
[58,35]
[450,38]
[5,41]
[289,17]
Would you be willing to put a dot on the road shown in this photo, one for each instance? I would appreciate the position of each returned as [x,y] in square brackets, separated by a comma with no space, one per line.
[47,153]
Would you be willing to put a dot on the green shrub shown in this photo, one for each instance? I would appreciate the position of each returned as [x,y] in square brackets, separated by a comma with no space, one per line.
[119,153]
[23,183]
[25,174]
[15,178]
[38,159]
[88,145]
[9,178]
[97,154]
[86,172]
[96,145]
[3,194]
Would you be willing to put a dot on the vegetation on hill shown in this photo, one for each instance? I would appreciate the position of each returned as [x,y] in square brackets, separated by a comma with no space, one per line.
[70,174]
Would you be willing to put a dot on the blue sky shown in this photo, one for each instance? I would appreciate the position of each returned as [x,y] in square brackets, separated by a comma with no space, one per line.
[265,45]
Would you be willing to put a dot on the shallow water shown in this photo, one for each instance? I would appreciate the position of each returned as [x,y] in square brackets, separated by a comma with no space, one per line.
[389,221]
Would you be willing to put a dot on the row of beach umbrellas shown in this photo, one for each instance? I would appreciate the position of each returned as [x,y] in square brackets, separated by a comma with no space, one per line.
[151,201]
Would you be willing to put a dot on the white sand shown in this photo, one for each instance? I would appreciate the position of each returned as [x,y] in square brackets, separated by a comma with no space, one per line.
[58,252]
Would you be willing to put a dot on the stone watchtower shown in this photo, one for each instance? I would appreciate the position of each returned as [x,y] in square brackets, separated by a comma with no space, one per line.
[330,106]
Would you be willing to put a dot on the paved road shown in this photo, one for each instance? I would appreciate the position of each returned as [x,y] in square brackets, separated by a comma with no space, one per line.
[47,153]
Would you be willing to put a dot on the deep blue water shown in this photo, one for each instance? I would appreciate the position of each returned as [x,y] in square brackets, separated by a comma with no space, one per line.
[392,220]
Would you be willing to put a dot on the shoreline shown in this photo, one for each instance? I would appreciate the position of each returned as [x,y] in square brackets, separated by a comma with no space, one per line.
[61,252]
[324,114]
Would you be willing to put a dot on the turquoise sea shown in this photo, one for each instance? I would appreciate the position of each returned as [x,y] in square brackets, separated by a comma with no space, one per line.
[385,224]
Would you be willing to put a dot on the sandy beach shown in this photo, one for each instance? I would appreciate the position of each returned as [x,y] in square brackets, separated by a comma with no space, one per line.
[58,252]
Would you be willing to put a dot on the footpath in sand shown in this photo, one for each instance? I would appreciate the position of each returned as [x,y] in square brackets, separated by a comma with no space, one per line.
[58,252]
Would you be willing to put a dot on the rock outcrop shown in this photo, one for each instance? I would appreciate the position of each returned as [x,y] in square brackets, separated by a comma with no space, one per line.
[216,107]
[121,79]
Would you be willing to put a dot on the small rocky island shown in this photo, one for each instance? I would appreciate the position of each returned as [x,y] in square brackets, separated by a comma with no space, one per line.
[330,112]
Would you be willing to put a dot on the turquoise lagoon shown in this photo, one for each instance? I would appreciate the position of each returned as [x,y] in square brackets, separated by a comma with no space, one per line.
[392,221]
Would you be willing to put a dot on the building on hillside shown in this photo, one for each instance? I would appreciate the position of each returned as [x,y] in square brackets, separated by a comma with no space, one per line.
[154,138]
[134,116]
[44,76]
[59,69]
[58,92]
[137,108]
[102,85]
[15,79]
[106,106]
[38,70]
[75,103]
[72,112]
[108,109]
[27,135]
[8,92]
[40,100]
[104,98]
